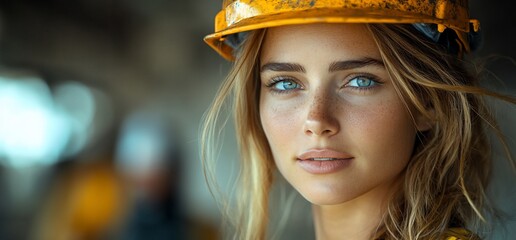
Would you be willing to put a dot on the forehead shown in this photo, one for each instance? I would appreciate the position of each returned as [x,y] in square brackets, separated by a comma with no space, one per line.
[318,42]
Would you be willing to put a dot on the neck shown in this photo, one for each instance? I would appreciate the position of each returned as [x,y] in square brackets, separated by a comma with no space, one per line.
[356,219]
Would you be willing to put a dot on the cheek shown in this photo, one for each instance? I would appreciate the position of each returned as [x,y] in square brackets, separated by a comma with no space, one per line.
[279,123]
[383,131]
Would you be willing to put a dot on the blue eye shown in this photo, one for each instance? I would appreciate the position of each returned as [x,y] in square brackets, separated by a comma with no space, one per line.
[285,85]
[362,82]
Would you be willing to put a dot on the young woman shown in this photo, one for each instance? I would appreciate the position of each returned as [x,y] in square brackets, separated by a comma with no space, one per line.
[364,107]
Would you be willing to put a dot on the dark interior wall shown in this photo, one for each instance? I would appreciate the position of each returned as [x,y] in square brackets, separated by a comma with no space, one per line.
[103,42]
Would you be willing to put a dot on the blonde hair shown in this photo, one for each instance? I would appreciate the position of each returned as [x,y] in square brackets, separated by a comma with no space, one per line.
[444,181]
[255,176]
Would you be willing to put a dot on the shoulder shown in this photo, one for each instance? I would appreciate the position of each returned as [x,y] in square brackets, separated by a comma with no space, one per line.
[460,234]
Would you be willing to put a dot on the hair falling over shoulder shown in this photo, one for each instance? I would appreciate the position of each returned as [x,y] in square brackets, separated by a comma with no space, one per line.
[445,180]
[249,218]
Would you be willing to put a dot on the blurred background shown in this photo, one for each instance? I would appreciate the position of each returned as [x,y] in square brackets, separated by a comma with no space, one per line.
[100,106]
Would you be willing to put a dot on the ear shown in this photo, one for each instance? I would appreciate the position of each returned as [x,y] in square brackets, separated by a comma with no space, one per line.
[424,123]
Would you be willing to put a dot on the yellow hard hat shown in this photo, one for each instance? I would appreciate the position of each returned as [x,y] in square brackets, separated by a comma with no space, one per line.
[239,16]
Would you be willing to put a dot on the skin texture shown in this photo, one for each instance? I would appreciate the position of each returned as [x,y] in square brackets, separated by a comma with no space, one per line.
[328,110]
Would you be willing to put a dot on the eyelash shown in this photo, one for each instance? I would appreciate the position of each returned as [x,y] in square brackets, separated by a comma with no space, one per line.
[374,79]
[270,85]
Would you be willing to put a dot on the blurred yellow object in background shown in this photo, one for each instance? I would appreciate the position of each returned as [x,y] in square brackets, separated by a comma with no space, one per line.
[87,202]
[95,200]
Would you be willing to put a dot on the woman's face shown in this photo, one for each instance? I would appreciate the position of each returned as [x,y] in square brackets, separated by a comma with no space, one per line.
[336,127]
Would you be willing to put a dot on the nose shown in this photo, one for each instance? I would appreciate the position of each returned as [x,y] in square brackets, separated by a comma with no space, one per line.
[321,118]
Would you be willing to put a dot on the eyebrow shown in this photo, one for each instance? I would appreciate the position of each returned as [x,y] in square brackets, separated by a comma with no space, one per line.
[335,66]
[282,67]
[351,64]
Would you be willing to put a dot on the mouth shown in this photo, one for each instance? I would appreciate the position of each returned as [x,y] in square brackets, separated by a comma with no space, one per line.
[323,161]
[323,155]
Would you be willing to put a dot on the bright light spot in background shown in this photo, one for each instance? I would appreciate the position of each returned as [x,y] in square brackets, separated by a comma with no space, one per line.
[144,144]
[30,130]
[140,151]
[36,131]
[78,103]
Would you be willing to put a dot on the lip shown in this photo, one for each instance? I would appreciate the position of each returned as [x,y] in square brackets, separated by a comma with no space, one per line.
[323,153]
[323,161]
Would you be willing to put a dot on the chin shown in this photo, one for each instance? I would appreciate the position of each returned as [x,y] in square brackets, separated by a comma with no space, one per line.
[326,196]
[324,201]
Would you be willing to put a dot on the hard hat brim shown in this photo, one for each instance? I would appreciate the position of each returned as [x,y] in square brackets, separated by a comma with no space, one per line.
[329,15]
